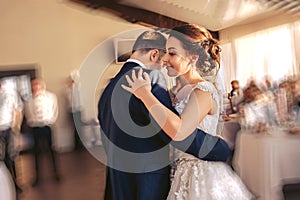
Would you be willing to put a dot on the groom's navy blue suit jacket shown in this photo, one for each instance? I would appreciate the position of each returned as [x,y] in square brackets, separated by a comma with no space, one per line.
[136,147]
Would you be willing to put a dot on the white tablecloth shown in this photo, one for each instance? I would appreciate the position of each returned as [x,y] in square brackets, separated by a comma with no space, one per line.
[230,131]
[266,162]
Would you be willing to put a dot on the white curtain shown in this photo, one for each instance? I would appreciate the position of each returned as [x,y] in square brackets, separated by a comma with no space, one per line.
[271,52]
[228,64]
[296,42]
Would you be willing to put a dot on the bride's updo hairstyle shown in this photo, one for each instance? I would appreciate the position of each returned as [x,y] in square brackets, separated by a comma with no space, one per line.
[197,40]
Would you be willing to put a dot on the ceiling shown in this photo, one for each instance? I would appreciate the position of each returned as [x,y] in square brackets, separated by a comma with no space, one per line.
[218,14]
[213,14]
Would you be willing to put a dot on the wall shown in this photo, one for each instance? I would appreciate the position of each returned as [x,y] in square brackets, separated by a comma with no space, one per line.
[57,36]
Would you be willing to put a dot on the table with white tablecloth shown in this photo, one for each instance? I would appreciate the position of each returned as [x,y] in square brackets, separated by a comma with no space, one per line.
[265,162]
[230,130]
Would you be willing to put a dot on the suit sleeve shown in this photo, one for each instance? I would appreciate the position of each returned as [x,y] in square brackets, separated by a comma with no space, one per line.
[205,146]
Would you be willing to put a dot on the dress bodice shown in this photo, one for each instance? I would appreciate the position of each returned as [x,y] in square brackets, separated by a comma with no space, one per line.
[209,123]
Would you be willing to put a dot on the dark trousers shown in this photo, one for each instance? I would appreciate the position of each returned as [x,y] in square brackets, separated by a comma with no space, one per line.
[6,142]
[75,118]
[136,186]
[43,141]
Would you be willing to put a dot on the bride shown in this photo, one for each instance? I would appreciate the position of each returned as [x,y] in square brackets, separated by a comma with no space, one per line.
[192,53]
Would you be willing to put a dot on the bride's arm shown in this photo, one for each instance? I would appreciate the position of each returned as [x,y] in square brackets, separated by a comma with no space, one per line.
[176,127]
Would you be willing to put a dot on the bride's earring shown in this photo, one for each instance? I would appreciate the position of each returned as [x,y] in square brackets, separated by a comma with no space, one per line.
[193,69]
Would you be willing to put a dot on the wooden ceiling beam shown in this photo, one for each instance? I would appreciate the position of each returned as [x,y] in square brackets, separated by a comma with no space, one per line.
[136,15]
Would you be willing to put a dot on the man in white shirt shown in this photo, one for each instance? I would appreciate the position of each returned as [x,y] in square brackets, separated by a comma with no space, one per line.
[236,96]
[41,113]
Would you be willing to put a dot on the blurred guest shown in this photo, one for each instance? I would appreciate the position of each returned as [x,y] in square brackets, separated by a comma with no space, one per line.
[252,92]
[253,110]
[295,99]
[288,87]
[236,96]
[235,89]
[269,85]
[10,107]
[73,105]
[268,88]
[297,91]
[41,112]
[260,109]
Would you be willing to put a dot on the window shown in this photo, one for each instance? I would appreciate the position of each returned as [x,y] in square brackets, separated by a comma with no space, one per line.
[269,53]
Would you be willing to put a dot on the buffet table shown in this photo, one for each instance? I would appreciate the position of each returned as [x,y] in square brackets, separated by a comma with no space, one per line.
[265,162]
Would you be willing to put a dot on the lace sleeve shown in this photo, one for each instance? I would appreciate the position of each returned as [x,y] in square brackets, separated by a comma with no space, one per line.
[211,122]
[209,87]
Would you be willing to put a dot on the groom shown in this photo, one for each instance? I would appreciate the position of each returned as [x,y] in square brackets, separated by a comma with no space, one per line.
[136,147]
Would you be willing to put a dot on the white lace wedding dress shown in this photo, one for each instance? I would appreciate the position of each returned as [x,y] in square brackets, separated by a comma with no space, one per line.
[197,179]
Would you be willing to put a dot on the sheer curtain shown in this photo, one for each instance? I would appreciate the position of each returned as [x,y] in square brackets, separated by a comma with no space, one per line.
[271,52]
[296,42]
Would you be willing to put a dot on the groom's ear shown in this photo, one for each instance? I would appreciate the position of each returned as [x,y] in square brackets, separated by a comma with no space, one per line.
[154,55]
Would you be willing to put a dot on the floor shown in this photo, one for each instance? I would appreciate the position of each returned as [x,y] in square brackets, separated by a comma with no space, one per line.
[81,177]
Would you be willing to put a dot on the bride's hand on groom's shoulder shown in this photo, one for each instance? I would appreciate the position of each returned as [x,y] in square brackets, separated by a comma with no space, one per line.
[138,84]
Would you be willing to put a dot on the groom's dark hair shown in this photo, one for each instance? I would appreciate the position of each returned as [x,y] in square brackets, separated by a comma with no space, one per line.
[150,40]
